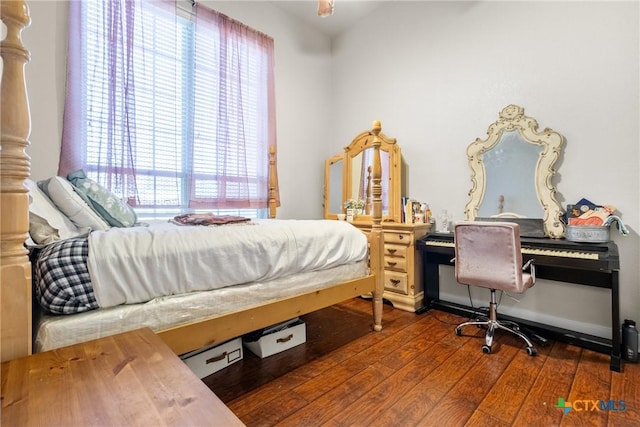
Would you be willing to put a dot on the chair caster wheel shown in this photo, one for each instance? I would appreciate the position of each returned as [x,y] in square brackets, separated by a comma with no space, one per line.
[486,349]
[531,351]
[458,332]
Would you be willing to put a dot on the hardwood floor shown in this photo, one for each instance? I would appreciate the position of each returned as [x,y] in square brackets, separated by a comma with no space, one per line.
[418,372]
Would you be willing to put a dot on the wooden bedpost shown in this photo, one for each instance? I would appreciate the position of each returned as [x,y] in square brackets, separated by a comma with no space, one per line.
[15,288]
[377,236]
[273,203]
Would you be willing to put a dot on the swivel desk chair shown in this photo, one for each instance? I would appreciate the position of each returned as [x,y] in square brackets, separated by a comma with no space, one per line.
[488,254]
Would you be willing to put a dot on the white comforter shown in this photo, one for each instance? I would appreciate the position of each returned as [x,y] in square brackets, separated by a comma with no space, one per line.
[132,265]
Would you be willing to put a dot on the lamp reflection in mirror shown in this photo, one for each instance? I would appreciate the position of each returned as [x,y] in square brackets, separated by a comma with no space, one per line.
[325,8]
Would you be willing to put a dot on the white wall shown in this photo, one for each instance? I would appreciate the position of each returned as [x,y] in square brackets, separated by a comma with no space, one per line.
[46,39]
[438,73]
[303,61]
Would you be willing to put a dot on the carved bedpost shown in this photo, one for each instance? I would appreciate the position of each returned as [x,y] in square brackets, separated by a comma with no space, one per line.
[15,288]
[377,236]
[272,182]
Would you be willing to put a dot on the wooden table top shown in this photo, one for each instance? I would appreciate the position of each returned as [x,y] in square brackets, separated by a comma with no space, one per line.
[130,379]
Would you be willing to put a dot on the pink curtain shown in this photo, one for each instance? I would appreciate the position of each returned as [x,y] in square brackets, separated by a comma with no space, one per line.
[116,163]
[229,51]
[222,125]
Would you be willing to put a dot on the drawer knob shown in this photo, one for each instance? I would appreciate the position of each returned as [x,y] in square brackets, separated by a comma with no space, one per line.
[400,236]
[391,263]
[395,282]
[392,251]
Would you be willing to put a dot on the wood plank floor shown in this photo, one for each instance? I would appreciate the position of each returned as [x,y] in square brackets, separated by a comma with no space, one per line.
[418,372]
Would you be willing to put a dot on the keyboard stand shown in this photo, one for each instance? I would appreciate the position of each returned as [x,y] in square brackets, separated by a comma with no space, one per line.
[579,266]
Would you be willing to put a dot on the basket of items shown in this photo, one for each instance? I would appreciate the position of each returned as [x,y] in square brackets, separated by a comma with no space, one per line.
[591,223]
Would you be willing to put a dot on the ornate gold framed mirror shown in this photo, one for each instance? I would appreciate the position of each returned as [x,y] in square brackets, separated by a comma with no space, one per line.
[512,170]
[348,176]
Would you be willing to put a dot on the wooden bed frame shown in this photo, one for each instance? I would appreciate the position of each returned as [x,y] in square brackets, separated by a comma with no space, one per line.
[15,288]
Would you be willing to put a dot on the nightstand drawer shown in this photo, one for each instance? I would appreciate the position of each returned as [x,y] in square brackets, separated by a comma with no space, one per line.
[396,282]
[398,237]
[395,250]
[395,263]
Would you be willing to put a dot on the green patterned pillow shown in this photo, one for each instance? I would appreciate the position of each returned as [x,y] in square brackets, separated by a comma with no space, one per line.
[113,210]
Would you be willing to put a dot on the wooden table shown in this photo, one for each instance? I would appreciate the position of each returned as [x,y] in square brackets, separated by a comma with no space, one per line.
[126,380]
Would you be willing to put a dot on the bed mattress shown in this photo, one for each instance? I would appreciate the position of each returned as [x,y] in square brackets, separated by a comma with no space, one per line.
[137,264]
[54,331]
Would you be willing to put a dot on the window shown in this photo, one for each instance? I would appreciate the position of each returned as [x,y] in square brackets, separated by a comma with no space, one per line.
[172,111]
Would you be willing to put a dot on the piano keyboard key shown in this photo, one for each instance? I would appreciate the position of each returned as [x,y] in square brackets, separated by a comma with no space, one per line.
[532,251]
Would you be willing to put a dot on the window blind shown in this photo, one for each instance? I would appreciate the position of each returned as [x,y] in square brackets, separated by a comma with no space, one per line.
[187,101]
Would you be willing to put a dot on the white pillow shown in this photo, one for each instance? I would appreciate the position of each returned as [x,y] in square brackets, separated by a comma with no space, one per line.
[46,222]
[71,204]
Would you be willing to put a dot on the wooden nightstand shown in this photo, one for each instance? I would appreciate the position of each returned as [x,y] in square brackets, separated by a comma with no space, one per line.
[127,379]
[403,284]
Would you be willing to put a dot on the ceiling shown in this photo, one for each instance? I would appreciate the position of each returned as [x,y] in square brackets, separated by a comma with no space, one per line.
[345,13]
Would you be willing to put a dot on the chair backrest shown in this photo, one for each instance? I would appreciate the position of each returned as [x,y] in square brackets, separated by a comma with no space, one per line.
[488,254]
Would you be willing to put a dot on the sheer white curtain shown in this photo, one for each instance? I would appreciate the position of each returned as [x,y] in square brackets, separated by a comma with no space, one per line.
[173,111]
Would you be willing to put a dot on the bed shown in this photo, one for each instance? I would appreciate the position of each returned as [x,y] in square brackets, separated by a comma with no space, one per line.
[212,316]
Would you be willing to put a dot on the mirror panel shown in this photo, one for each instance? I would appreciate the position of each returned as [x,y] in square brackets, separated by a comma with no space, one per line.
[511,172]
[361,182]
[360,175]
[507,189]
[333,186]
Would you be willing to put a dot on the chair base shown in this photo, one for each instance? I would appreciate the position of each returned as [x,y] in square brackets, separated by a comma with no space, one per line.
[492,324]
